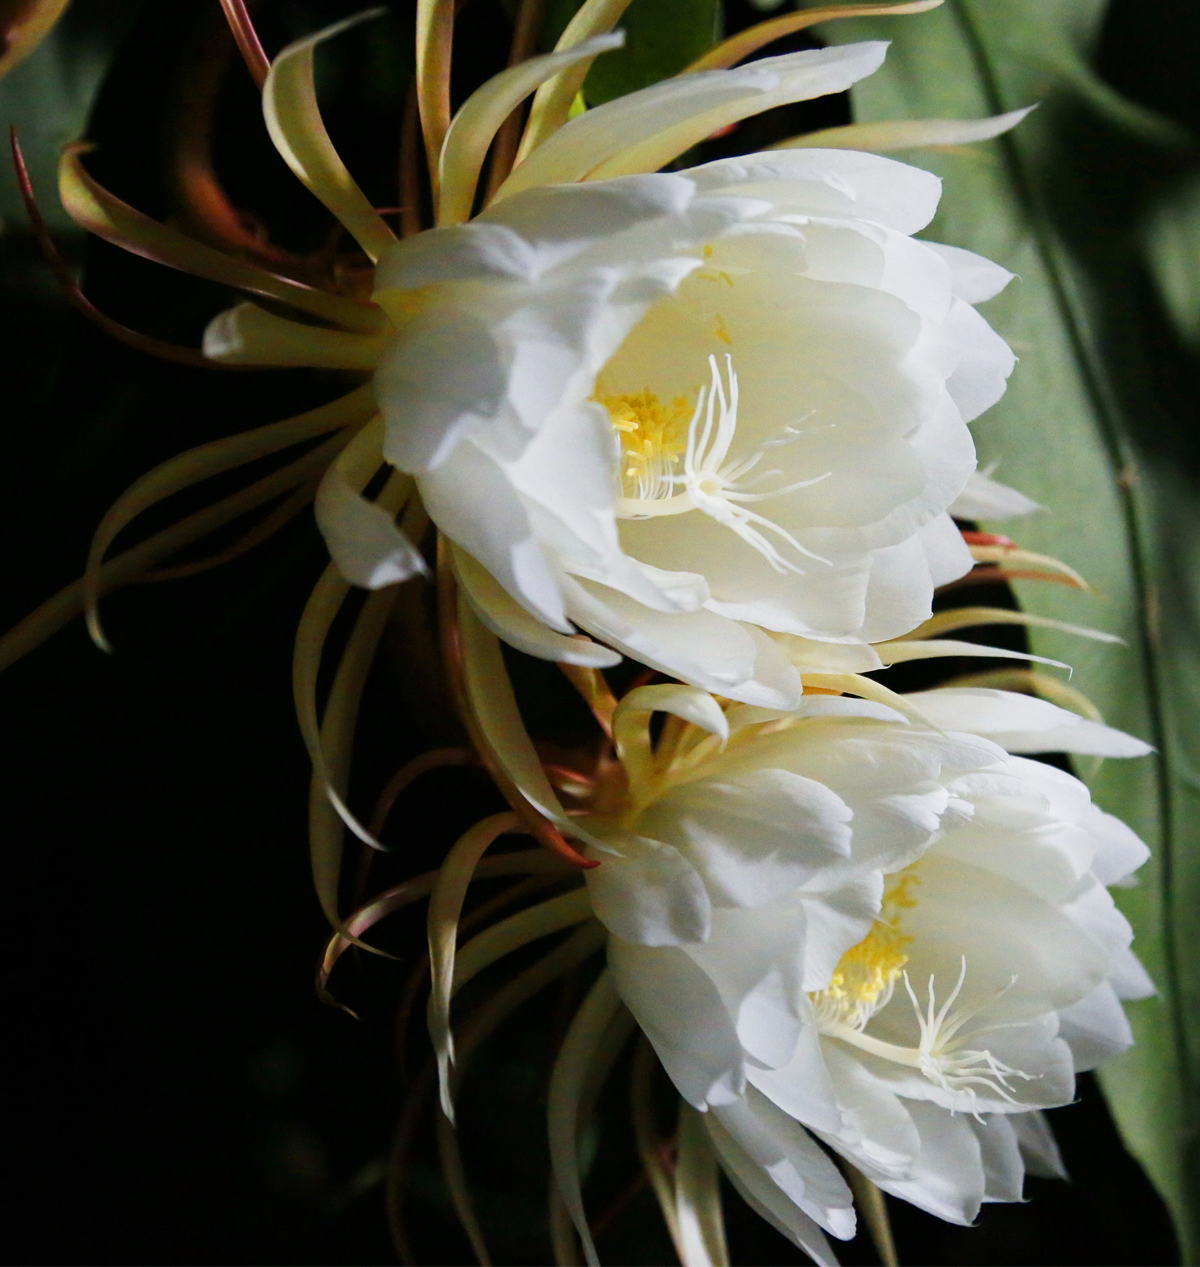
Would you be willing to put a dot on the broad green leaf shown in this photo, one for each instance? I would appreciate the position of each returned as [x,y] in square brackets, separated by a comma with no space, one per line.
[661,38]
[24,24]
[48,96]
[1172,244]
[1073,432]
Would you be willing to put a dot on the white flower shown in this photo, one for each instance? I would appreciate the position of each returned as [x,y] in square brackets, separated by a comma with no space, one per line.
[713,418]
[687,412]
[842,924]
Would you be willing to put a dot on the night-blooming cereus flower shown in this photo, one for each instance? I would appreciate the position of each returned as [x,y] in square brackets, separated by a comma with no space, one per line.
[713,418]
[847,925]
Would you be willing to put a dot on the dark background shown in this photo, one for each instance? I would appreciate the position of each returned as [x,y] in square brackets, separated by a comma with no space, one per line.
[177,1094]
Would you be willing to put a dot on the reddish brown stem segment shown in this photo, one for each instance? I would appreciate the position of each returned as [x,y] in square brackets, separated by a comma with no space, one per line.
[526,28]
[247,40]
[78,300]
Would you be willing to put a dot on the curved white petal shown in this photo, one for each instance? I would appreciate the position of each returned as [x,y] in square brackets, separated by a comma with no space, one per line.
[1000,1156]
[644,130]
[766,1198]
[681,1013]
[947,1176]
[1038,1148]
[824,182]
[361,536]
[1095,1028]
[973,278]
[1024,723]
[509,620]
[986,498]
[791,1159]
[646,892]
[754,836]
[249,335]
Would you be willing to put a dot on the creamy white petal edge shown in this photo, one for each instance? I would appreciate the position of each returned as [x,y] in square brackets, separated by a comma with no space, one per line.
[837,923]
[715,418]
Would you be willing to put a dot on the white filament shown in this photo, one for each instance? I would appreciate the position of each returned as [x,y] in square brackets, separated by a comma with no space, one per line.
[958,1070]
[714,486]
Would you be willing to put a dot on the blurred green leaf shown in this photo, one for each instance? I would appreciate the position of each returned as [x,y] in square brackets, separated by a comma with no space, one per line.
[661,38]
[49,96]
[1085,431]
[1172,244]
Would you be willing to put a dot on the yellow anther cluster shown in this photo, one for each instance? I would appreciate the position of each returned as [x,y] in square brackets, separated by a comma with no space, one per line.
[652,434]
[866,973]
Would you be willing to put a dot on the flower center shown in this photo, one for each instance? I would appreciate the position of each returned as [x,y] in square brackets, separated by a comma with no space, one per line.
[866,975]
[653,437]
[863,984]
[671,464]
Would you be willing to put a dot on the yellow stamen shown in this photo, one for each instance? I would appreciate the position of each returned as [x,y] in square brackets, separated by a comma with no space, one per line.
[867,973]
[653,437]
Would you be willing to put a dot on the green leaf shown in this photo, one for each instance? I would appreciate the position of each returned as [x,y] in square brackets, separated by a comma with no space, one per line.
[49,96]
[1094,426]
[661,38]
[1172,245]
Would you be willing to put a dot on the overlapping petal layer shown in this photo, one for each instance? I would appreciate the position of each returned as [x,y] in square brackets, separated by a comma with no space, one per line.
[699,415]
[558,352]
[900,938]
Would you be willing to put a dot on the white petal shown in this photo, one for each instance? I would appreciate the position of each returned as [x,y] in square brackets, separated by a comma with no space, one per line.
[1000,1155]
[812,656]
[363,540]
[837,918]
[1005,931]
[559,221]
[1038,1149]
[802,1088]
[975,279]
[446,377]
[791,1159]
[876,1128]
[819,182]
[1095,1028]
[681,111]
[755,961]
[1119,849]
[986,498]
[766,1199]
[985,361]
[681,1013]
[645,891]
[947,1177]
[1023,723]
[700,647]
[899,593]
[754,837]
[507,619]
[1129,978]
[948,555]
[502,541]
